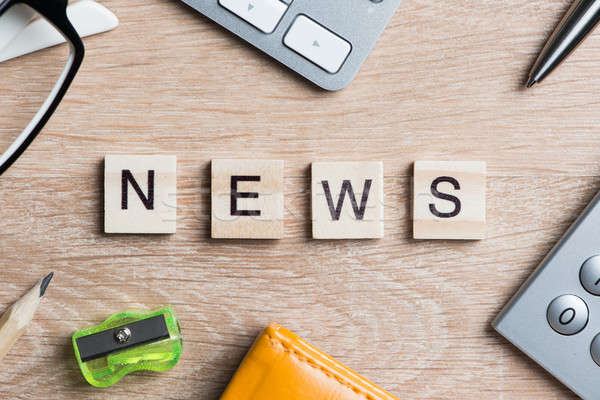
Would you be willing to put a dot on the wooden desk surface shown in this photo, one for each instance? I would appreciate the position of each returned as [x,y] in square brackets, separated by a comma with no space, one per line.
[445,81]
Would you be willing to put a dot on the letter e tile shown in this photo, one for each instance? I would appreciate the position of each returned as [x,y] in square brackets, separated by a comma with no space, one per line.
[247,199]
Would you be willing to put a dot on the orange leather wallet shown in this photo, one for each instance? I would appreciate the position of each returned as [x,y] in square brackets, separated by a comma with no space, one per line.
[281,366]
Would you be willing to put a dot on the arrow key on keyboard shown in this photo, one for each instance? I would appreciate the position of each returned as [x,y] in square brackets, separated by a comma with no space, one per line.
[317,43]
[262,14]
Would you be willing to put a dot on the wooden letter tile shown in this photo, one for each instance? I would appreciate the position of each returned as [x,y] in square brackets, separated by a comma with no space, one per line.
[140,194]
[247,199]
[449,200]
[347,200]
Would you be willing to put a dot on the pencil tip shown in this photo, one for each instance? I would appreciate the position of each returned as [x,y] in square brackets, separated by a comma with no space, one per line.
[45,283]
[531,83]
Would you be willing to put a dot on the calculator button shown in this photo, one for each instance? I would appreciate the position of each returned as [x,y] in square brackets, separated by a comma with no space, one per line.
[318,44]
[263,14]
[567,314]
[589,275]
[595,349]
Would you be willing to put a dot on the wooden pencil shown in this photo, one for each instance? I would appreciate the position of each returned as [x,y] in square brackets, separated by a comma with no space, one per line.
[15,320]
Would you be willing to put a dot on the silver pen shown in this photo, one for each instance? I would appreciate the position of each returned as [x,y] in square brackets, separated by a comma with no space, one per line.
[580,20]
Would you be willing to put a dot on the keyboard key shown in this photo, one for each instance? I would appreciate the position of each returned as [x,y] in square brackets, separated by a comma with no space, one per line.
[263,14]
[318,44]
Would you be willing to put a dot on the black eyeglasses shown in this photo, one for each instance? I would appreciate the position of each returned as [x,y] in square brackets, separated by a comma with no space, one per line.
[55,13]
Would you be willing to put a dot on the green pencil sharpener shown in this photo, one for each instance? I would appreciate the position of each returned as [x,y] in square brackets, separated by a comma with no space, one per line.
[126,342]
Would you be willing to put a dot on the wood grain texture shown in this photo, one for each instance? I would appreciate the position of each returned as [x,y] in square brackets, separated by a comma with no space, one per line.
[444,82]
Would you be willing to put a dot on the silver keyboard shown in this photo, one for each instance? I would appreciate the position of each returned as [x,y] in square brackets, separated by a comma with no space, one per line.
[326,41]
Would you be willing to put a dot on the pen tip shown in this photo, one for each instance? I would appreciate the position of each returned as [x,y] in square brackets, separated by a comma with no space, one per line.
[45,283]
[531,83]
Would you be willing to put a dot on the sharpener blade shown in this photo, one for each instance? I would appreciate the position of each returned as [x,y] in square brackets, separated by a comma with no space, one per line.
[140,332]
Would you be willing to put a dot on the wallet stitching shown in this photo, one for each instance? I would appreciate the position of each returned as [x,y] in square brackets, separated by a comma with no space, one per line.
[312,364]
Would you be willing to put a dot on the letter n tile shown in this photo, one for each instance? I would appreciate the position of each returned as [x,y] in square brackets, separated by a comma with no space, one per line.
[140,194]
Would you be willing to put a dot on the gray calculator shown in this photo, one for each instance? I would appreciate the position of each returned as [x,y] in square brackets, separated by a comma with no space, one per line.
[555,317]
[325,41]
